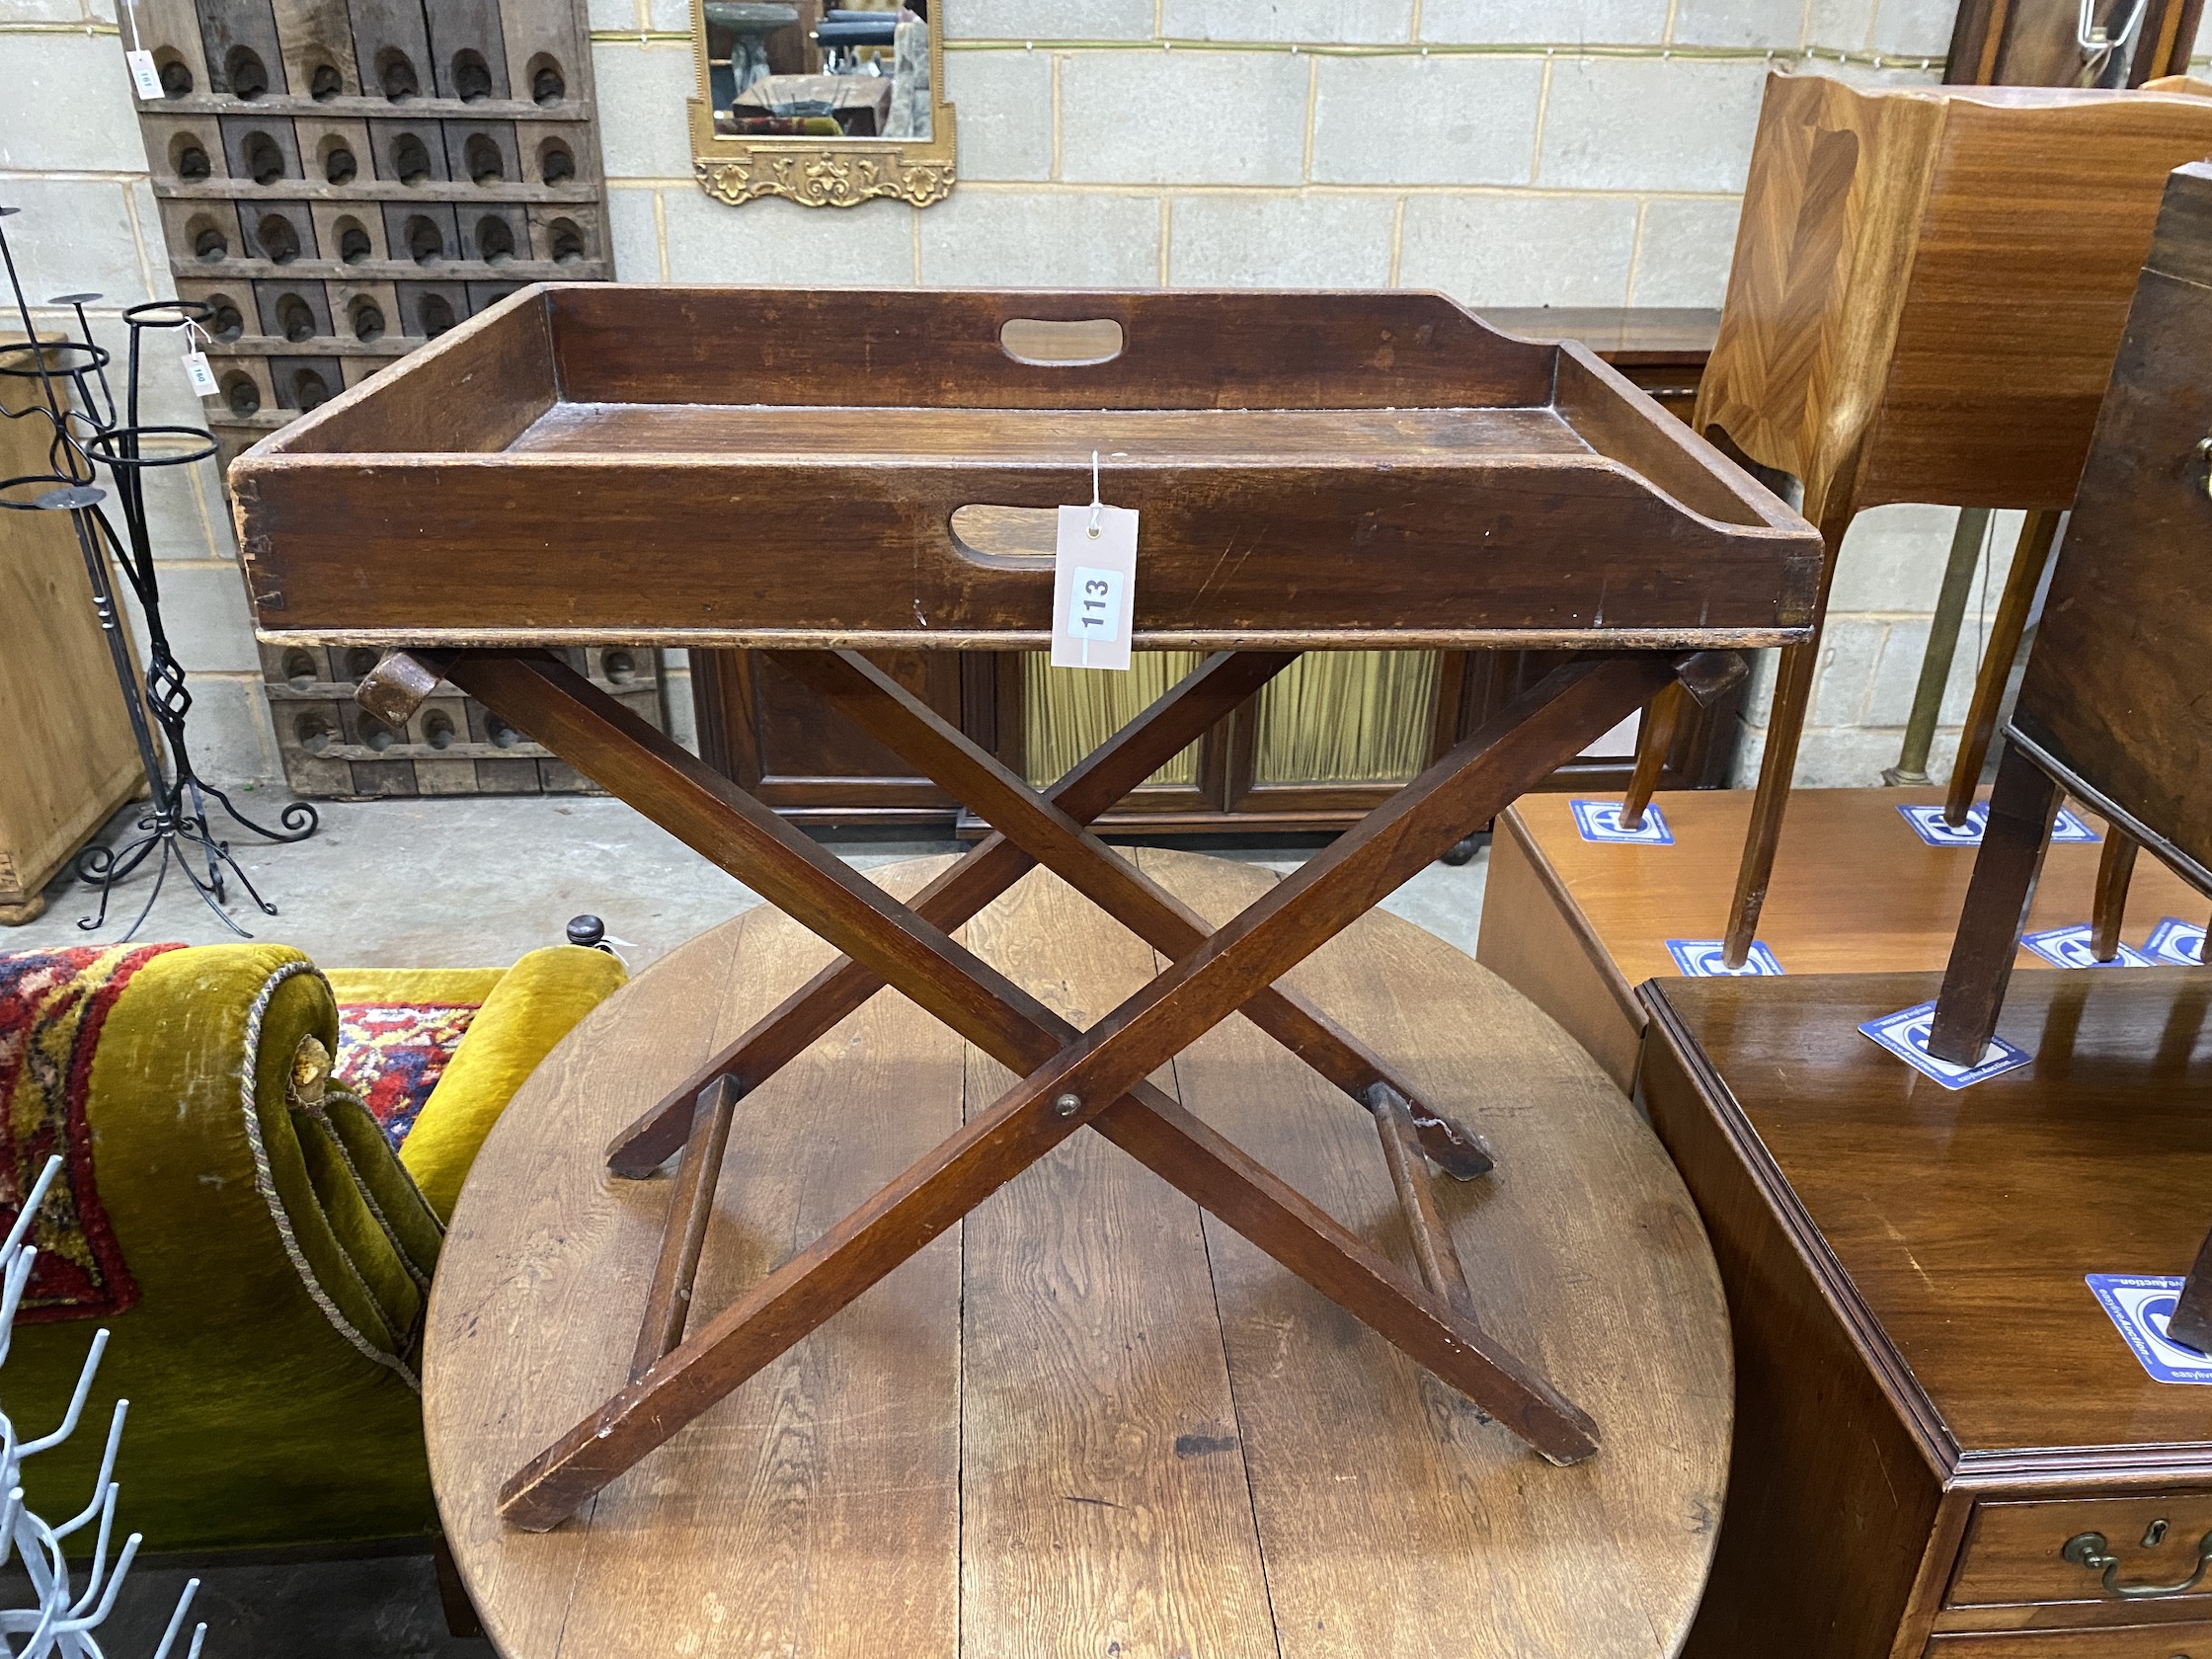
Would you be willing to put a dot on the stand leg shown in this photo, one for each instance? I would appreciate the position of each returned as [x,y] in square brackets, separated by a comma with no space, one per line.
[2022,809]
[2011,622]
[668,1304]
[894,717]
[1432,1239]
[1785,724]
[2192,1315]
[993,865]
[1094,1076]
[452,1595]
[2114,867]
[1777,766]
[1653,738]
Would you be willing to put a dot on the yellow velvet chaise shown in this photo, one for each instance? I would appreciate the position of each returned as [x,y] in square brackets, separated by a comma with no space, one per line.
[233,1209]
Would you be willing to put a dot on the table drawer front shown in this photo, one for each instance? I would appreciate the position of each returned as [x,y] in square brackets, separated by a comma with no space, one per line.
[2143,1641]
[2123,1550]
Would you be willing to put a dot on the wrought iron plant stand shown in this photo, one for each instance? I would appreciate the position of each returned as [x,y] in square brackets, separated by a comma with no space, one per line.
[75,398]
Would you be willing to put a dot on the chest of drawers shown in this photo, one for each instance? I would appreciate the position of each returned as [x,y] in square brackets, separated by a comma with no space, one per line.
[1945,1449]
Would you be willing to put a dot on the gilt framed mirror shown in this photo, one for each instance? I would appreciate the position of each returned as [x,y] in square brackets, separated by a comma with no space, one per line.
[824,105]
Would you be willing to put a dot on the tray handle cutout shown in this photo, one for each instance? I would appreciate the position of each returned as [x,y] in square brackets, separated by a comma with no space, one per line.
[1044,344]
[1006,537]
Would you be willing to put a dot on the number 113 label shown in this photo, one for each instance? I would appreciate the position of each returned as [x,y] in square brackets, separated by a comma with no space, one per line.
[1096,614]
[1094,577]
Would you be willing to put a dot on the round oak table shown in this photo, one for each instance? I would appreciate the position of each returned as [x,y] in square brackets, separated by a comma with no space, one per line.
[1092,1420]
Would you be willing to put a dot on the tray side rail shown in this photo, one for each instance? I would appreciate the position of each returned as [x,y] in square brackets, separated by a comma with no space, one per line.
[957,349]
[1531,551]
[471,391]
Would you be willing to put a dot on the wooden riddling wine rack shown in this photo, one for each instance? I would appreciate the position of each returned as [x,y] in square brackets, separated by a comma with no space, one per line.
[451,746]
[342,181]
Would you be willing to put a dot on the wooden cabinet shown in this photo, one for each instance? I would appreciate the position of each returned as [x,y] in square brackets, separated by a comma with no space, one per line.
[2018,1554]
[1312,753]
[2141,1641]
[1945,1446]
[2038,43]
[768,733]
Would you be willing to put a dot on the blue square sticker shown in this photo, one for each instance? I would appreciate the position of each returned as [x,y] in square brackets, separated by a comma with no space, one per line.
[2140,1303]
[1929,823]
[1600,821]
[2176,942]
[1905,1035]
[2068,947]
[1700,959]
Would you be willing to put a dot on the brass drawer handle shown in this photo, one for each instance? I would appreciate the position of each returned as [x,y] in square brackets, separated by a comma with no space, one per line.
[2088,1549]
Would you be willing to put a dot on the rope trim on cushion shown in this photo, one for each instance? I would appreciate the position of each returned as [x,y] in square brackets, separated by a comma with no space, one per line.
[265,1181]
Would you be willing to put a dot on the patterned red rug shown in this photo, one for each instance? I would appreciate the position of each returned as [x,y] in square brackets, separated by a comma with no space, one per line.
[52,1005]
[392,1053]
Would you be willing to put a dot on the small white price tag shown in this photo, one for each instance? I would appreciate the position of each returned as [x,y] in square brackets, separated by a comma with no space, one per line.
[203,377]
[1094,586]
[145,75]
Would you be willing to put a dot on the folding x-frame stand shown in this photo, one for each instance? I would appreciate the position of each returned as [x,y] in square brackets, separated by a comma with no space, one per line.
[1067,1078]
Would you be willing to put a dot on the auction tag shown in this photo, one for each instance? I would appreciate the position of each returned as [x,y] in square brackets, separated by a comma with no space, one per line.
[1600,821]
[1706,959]
[203,377]
[1932,827]
[1094,586]
[2178,942]
[143,74]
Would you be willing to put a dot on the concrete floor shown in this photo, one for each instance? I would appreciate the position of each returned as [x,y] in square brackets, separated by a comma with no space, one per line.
[379,1608]
[477,881]
[464,883]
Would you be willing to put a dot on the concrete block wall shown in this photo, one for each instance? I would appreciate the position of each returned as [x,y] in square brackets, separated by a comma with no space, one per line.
[1566,152]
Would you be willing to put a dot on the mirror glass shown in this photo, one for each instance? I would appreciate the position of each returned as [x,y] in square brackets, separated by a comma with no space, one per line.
[825,105]
[799,69]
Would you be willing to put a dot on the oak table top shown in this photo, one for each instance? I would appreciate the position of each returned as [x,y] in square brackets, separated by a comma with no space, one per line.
[1091,1415]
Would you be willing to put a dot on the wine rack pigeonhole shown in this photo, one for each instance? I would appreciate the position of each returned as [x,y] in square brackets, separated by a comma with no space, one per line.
[342,181]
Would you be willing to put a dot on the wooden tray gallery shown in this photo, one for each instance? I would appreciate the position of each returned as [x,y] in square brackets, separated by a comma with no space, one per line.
[783,467]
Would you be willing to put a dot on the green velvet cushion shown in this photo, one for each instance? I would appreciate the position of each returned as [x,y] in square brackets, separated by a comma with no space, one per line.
[282,1252]
[269,1358]
[532,1007]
